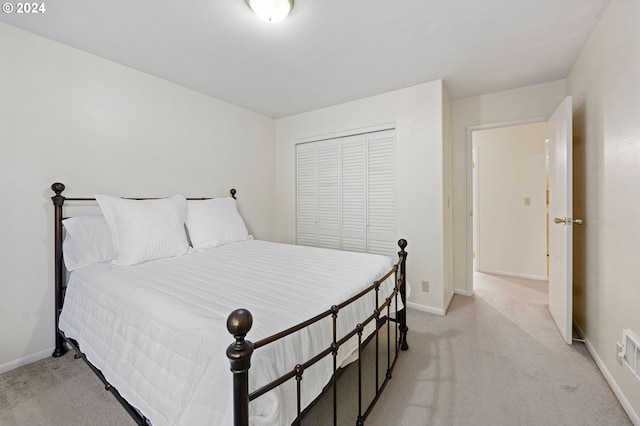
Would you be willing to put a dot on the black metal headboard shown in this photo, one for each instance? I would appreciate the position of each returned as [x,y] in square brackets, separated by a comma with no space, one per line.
[58,260]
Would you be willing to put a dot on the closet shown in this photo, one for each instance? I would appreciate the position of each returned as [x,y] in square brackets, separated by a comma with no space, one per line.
[345,193]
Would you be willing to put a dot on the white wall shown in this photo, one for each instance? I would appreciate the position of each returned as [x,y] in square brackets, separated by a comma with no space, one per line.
[605,86]
[447,211]
[417,113]
[511,105]
[97,126]
[511,167]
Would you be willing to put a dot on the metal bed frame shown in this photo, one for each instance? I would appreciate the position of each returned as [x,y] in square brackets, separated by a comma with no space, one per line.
[240,321]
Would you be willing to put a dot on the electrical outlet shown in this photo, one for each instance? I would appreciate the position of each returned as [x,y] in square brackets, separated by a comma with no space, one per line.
[619,353]
[425,285]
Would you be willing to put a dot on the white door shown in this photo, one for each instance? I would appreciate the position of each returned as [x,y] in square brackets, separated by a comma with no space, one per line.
[329,176]
[561,219]
[381,210]
[354,193]
[306,195]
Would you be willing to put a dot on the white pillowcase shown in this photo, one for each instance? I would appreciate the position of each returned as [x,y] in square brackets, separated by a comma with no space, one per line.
[144,230]
[88,241]
[214,222]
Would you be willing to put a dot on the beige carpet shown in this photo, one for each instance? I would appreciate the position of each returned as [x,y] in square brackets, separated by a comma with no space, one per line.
[495,359]
[57,392]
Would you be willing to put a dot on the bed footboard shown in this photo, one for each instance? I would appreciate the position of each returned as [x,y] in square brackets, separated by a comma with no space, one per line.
[240,321]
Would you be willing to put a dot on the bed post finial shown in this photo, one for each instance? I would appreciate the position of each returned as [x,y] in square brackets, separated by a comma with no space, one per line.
[58,201]
[239,353]
[233,193]
[402,315]
[58,188]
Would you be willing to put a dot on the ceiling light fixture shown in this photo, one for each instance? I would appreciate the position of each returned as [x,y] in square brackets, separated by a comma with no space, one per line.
[271,11]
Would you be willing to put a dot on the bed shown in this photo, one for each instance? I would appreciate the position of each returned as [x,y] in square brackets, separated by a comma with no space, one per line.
[154,330]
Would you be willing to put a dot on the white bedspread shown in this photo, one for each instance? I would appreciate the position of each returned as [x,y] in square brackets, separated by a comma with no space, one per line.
[157,330]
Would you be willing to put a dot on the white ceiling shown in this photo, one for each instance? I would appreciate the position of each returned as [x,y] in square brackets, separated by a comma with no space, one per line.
[328,51]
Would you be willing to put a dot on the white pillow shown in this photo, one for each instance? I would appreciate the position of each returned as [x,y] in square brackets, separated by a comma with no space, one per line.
[214,222]
[144,230]
[88,241]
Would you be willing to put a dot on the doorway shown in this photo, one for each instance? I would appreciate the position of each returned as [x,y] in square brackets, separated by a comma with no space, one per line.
[509,201]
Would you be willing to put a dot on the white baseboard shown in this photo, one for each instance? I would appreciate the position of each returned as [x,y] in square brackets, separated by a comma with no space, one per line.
[635,419]
[12,365]
[425,308]
[463,292]
[513,274]
[431,309]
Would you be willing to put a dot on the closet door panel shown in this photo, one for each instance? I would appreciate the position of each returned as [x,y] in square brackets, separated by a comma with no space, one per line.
[329,188]
[381,193]
[306,195]
[354,190]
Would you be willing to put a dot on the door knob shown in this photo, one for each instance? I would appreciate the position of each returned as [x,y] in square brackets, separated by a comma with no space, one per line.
[577,221]
[559,220]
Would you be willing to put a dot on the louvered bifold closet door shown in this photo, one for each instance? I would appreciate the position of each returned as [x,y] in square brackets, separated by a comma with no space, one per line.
[346,193]
[381,193]
[306,195]
[328,153]
[354,193]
